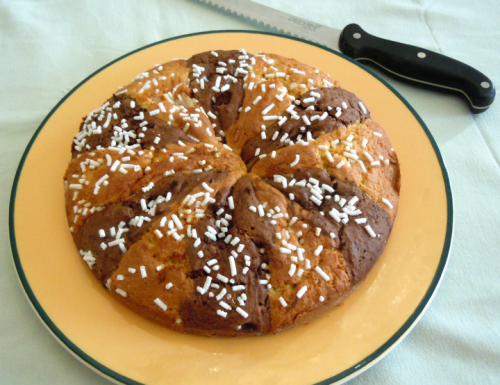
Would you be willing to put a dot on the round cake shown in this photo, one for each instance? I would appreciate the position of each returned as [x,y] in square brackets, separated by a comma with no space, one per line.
[231,194]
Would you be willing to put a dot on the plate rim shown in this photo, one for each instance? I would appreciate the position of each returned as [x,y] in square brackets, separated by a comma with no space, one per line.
[341,377]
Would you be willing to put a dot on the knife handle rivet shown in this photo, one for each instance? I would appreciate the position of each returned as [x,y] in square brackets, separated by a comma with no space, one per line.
[485,85]
[421,55]
[356,35]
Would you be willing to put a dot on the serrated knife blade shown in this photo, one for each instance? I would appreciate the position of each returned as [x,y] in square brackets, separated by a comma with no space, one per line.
[282,21]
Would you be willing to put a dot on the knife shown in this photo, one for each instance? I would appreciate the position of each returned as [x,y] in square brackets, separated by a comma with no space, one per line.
[406,61]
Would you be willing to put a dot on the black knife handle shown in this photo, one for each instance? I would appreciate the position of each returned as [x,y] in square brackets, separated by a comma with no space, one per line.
[420,65]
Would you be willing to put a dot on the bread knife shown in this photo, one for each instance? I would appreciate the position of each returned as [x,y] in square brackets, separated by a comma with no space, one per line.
[406,61]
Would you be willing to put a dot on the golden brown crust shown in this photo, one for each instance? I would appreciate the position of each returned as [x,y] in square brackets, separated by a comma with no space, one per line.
[241,198]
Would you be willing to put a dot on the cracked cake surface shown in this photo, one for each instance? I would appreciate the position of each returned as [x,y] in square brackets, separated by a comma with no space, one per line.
[231,194]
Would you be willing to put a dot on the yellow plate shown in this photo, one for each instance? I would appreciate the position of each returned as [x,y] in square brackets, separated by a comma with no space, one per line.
[127,348]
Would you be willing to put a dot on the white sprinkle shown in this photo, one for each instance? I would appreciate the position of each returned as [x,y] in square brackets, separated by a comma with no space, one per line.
[131,270]
[242,312]
[206,286]
[235,241]
[283,302]
[230,202]
[322,273]
[324,116]
[306,120]
[364,143]
[296,161]
[376,163]
[108,120]
[267,109]
[177,222]
[144,274]
[161,304]
[261,210]
[340,164]
[169,285]
[221,294]
[350,156]
[360,220]
[315,200]
[302,291]
[154,112]
[113,167]
[207,187]
[362,165]
[285,250]
[222,278]
[370,231]
[362,106]
[368,156]
[377,134]
[321,298]
[225,305]
[387,203]
[291,272]
[102,233]
[318,250]
[221,313]
[209,235]
[329,157]
[108,160]
[200,253]
[123,293]
[353,201]
[257,99]
[158,234]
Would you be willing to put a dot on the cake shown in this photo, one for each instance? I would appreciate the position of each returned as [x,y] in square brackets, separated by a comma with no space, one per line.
[231,194]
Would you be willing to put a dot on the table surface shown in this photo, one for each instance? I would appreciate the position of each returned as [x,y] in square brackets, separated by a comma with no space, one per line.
[48,47]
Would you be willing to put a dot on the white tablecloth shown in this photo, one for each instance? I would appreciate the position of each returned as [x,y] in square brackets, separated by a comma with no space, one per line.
[47,47]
